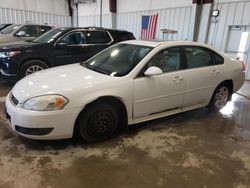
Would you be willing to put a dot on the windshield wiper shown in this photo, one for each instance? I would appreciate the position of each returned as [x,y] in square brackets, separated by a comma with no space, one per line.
[93,68]
[100,70]
[83,64]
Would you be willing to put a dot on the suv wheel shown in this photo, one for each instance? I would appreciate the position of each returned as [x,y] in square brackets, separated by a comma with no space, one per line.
[32,66]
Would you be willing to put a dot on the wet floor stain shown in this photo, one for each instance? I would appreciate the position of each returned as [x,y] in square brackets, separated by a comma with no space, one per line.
[192,149]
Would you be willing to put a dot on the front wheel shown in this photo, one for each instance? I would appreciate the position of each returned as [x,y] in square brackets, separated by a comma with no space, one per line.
[220,97]
[31,67]
[98,122]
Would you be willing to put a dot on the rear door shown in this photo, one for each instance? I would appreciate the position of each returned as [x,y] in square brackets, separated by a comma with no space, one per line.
[204,72]
[97,40]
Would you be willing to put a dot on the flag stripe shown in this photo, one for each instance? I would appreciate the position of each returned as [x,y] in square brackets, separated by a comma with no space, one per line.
[149,24]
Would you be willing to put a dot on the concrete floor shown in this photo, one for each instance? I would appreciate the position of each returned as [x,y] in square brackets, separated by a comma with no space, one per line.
[192,149]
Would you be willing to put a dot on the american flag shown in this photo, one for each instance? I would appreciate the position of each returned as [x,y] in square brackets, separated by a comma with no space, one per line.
[148,28]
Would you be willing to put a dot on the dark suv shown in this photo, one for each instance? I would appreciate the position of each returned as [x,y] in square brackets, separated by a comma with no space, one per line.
[57,47]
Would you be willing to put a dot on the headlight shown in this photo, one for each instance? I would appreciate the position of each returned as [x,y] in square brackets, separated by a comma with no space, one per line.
[8,54]
[45,103]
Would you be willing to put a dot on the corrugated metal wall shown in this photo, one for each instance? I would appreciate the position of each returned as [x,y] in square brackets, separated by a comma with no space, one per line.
[232,13]
[21,16]
[177,18]
[171,18]
[94,20]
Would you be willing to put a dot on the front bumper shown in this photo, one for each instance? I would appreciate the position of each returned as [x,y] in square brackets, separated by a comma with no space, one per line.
[41,125]
[8,68]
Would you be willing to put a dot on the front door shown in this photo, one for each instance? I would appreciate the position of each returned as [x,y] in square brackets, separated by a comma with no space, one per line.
[72,48]
[162,92]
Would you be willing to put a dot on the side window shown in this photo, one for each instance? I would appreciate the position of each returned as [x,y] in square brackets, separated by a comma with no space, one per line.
[44,29]
[98,37]
[217,59]
[74,38]
[197,57]
[125,36]
[167,60]
[29,31]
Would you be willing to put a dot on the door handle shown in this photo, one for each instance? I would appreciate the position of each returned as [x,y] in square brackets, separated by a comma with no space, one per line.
[177,79]
[215,72]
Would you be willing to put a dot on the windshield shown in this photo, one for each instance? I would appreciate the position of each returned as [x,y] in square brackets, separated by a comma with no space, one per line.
[10,29]
[118,60]
[49,36]
[2,26]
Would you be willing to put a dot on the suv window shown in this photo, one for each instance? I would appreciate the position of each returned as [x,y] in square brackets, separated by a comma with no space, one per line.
[97,37]
[44,29]
[33,30]
[74,38]
[167,60]
[197,57]
[122,36]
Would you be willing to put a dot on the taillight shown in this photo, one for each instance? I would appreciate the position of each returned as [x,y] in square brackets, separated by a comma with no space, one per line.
[243,66]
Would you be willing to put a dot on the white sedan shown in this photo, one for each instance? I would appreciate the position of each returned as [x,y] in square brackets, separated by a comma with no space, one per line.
[128,83]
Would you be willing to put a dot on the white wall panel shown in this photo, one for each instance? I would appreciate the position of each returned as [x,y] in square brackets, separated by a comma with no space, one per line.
[141,5]
[231,13]
[58,7]
[21,16]
[204,23]
[246,14]
[94,20]
[221,27]
[228,1]
[171,18]
[239,13]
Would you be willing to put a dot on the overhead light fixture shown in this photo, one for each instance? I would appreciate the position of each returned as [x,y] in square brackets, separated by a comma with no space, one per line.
[215,13]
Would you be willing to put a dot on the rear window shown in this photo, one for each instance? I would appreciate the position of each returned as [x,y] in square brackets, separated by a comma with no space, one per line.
[44,29]
[197,57]
[218,59]
[122,36]
[97,37]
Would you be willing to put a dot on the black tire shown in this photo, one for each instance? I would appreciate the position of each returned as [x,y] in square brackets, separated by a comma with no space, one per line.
[220,97]
[36,65]
[98,122]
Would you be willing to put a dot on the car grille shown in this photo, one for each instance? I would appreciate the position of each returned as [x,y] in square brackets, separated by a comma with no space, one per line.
[13,99]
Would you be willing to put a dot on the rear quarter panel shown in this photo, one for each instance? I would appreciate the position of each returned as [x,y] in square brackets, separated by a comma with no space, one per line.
[234,72]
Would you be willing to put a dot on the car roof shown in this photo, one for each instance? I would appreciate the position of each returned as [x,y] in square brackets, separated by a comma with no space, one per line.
[34,24]
[20,25]
[166,43]
[94,28]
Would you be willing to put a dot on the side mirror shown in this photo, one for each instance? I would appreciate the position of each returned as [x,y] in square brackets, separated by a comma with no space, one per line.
[61,44]
[21,34]
[152,71]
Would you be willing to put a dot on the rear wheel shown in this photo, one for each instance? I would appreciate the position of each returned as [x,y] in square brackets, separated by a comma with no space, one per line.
[220,97]
[31,67]
[97,122]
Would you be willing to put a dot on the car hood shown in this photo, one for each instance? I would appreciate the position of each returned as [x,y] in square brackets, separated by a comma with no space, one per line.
[6,38]
[17,45]
[58,81]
